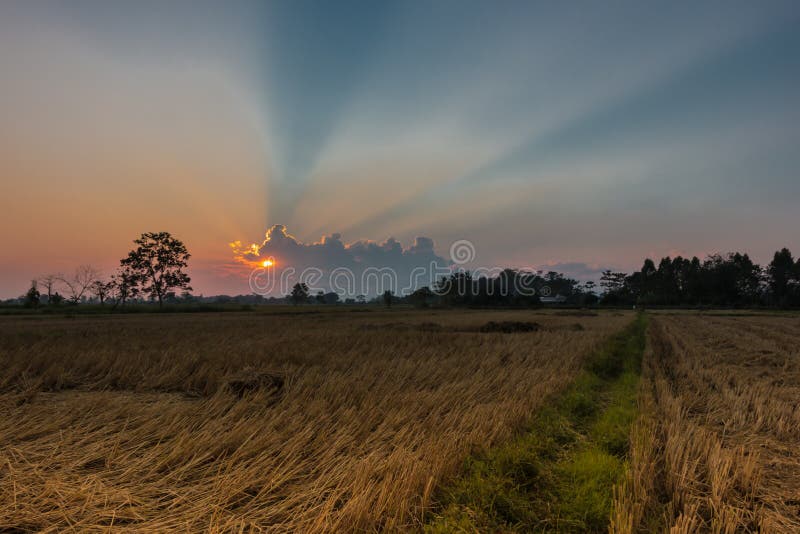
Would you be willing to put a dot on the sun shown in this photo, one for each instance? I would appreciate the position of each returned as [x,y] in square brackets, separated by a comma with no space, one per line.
[267,263]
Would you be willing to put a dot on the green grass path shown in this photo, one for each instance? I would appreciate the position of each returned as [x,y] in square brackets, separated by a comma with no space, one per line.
[558,476]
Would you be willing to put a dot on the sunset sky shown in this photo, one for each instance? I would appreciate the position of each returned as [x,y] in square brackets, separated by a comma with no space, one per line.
[578,135]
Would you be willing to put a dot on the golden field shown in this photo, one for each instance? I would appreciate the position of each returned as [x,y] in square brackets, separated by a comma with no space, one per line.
[341,420]
[717,446]
[281,422]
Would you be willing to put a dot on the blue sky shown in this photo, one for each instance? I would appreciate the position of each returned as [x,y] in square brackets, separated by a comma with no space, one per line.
[575,134]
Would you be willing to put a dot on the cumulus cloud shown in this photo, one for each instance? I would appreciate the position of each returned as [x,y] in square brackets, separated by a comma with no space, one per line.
[361,267]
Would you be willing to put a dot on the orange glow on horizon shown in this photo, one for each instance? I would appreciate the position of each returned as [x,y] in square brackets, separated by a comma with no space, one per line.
[267,263]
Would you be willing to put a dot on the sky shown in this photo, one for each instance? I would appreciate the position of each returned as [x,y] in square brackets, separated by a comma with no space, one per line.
[573,136]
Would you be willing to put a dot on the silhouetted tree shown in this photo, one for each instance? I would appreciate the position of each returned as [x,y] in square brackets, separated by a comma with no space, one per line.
[456,289]
[49,282]
[101,290]
[509,288]
[782,271]
[387,298]
[79,283]
[124,286]
[732,279]
[299,293]
[649,273]
[157,264]
[584,294]
[560,285]
[31,297]
[330,298]
[729,280]
[693,275]
[617,288]
[422,297]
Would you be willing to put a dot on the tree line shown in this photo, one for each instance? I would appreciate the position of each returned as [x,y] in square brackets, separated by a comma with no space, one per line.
[509,288]
[153,270]
[724,280]
[731,279]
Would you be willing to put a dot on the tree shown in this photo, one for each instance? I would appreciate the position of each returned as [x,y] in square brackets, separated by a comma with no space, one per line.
[79,283]
[124,286]
[748,278]
[330,298]
[618,288]
[299,293]
[780,272]
[612,282]
[387,298]
[422,297]
[49,282]
[157,264]
[31,297]
[101,290]
[584,294]
[694,281]
[456,289]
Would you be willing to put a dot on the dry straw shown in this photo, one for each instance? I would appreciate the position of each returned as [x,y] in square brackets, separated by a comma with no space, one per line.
[130,423]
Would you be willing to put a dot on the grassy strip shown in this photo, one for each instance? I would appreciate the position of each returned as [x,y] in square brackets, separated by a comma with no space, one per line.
[558,476]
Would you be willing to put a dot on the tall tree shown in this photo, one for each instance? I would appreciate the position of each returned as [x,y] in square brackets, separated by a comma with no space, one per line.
[648,279]
[612,282]
[299,293]
[158,264]
[101,290]
[780,272]
[31,297]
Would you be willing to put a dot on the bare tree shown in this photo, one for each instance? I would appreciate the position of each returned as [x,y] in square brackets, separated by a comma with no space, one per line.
[80,282]
[49,282]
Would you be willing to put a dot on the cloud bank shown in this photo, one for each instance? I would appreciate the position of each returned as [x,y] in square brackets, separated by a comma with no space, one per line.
[330,264]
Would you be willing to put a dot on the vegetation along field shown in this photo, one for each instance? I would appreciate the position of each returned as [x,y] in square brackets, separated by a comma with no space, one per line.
[400,420]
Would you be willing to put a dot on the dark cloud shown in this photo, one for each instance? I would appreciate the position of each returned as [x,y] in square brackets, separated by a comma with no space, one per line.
[407,267]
